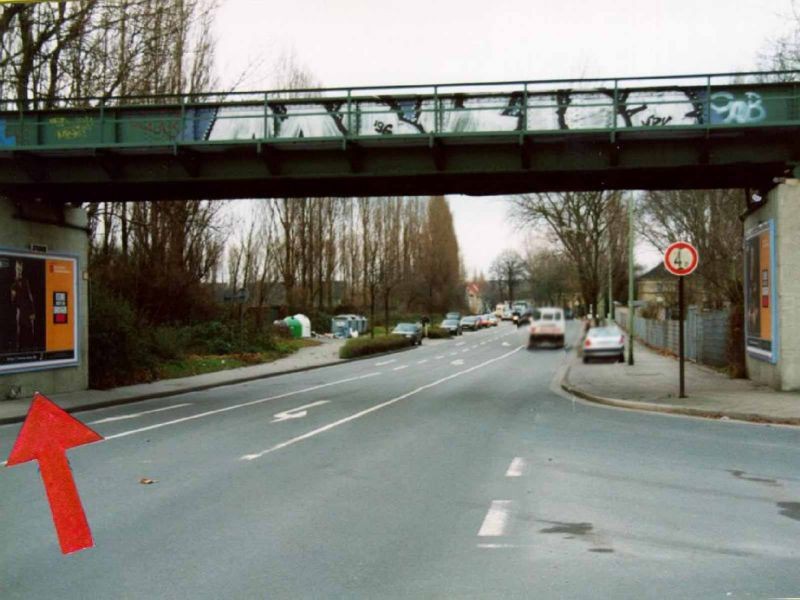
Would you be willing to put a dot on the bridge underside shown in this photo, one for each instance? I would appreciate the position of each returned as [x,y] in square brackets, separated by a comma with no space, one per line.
[480,165]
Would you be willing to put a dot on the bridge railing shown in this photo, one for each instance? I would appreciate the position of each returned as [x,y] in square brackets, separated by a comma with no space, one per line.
[707,101]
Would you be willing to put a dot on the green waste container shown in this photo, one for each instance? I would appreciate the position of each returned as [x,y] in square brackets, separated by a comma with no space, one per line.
[295,327]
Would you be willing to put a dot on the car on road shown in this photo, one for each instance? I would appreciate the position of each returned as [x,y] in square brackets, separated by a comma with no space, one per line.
[493,320]
[547,324]
[411,331]
[470,322]
[453,315]
[453,326]
[605,342]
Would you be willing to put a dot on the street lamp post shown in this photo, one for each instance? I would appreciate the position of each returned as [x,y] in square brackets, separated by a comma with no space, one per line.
[630,278]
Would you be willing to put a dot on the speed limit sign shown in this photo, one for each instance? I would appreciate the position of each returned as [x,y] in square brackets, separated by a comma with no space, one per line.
[680,258]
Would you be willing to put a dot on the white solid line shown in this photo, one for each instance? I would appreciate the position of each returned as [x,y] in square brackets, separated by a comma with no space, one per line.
[516,468]
[208,413]
[139,414]
[400,368]
[422,362]
[385,362]
[494,524]
[362,413]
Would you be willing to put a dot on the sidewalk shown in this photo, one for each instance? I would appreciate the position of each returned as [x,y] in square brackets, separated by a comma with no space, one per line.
[652,384]
[14,411]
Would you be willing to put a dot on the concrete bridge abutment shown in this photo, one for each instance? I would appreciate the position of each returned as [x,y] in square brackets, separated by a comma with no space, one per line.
[43,298]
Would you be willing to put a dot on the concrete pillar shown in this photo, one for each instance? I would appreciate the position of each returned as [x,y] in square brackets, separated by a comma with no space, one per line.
[782,370]
[61,231]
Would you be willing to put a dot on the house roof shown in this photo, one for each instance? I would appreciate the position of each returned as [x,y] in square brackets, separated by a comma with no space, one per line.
[656,273]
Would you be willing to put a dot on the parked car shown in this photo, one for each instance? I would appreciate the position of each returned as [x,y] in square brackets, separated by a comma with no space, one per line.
[411,331]
[493,320]
[470,322]
[453,315]
[453,326]
[547,325]
[604,342]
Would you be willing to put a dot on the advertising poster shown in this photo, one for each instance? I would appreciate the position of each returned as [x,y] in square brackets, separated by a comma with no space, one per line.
[38,311]
[760,313]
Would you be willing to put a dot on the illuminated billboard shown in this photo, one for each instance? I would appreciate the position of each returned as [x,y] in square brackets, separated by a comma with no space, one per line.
[38,311]
[761,314]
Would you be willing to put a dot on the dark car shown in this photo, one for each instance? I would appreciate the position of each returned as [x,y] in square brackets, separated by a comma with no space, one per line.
[453,326]
[411,331]
[472,323]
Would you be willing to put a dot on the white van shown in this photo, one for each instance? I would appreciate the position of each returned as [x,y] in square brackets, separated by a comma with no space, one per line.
[547,325]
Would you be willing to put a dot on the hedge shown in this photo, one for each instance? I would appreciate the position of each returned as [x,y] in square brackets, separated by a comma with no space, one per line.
[364,346]
[436,333]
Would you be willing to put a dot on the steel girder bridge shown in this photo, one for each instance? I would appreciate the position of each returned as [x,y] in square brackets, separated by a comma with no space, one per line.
[667,132]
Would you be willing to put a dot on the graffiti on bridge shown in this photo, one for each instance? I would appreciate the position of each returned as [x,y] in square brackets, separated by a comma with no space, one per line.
[413,115]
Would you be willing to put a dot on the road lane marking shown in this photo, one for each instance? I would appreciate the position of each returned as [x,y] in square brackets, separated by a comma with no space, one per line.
[139,414]
[208,413]
[496,519]
[465,350]
[440,357]
[400,368]
[516,468]
[385,362]
[422,362]
[367,411]
[460,343]
[453,353]
[505,344]
[457,362]
[296,413]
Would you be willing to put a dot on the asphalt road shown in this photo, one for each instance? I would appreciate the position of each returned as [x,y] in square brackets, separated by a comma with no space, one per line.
[449,471]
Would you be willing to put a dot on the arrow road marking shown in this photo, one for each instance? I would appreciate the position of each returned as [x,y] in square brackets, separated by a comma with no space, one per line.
[516,467]
[208,413]
[494,524]
[367,411]
[296,413]
[139,414]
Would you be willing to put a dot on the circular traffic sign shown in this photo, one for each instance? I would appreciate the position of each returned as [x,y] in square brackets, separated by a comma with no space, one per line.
[680,258]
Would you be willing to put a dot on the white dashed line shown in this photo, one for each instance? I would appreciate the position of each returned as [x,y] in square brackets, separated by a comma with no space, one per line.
[400,368]
[516,468]
[457,362]
[460,343]
[440,357]
[494,524]
[385,362]
[422,362]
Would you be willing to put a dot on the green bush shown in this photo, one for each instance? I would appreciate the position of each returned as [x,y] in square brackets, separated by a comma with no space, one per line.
[437,333]
[119,353]
[169,343]
[364,346]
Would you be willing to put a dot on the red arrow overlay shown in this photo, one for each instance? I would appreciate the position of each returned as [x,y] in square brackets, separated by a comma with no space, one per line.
[46,435]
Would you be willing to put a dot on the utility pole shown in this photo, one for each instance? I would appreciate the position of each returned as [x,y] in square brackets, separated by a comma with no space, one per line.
[631,282]
[610,308]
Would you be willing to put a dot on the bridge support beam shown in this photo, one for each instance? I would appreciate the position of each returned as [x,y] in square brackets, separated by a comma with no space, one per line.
[772,288]
[51,243]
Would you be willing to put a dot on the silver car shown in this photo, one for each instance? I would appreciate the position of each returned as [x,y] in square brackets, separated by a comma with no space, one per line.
[604,342]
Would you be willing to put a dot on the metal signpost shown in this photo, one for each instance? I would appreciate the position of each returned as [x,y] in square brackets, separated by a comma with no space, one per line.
[680,259]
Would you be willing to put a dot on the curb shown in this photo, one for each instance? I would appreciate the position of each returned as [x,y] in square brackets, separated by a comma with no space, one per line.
[676,410]
[200,388]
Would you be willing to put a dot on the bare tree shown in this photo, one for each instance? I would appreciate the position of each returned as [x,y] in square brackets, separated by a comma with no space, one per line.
[508,269]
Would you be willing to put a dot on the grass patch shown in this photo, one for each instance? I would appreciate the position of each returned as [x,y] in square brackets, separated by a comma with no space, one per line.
[201,364]
[364,346]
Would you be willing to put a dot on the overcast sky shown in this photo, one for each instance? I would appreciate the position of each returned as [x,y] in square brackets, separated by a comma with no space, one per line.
[381,42]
